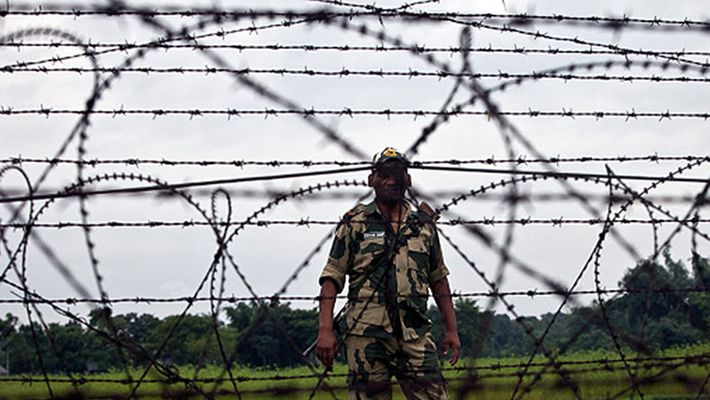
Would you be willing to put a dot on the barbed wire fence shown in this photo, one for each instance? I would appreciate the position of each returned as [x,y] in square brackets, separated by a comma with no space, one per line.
[518,176]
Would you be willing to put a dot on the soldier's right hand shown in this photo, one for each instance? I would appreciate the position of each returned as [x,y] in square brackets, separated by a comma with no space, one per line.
[326,347]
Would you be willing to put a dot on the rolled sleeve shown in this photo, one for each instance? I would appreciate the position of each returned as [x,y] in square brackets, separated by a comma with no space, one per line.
[333,272]
[438,268]
[438,274]
[337,266]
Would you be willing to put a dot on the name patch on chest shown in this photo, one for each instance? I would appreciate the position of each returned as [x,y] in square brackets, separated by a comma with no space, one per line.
[374,234]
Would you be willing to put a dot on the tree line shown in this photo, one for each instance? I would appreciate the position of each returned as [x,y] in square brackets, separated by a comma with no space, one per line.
[668,305]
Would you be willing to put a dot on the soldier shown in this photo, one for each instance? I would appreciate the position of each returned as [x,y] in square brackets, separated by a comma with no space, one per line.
[392,256]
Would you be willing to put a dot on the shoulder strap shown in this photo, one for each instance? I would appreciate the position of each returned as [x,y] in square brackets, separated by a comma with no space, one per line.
[427,214]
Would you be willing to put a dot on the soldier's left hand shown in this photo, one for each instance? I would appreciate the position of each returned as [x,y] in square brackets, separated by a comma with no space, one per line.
[452,343]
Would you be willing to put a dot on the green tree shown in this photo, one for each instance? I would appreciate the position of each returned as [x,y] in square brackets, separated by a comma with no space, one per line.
[700,300]
[275,336]
[482,333]
[24,349]
[182,339]
[8,334]
[659,311]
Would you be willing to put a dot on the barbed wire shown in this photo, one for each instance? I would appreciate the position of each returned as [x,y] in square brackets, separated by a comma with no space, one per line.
[604,365]
[575,40]
[288,391]
[230,113]
[144,47]
[308,222]
[655,158]
[254,29]
[507,130]
[528,175]
[531,293]
[614,23]
[346,72]
[517,50]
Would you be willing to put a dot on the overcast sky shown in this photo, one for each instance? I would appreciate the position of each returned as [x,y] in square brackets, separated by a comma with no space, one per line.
[166,262]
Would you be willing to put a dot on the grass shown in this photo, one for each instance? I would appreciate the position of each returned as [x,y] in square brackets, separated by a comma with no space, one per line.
[494,379]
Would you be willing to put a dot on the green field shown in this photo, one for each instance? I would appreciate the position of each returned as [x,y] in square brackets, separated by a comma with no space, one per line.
[677,374]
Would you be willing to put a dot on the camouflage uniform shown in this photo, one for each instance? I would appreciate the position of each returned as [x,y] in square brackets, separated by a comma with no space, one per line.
[388,332]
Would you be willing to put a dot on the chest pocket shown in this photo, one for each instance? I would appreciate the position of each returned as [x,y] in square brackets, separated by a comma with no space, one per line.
[365,266]
[371,251]
[418,254]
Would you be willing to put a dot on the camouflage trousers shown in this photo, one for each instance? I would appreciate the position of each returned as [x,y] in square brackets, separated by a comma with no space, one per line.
[373,361]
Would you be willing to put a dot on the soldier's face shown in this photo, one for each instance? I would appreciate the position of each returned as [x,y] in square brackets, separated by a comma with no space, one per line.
[390,182]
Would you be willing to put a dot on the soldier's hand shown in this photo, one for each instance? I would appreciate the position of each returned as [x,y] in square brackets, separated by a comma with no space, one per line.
[452,343]
[326,347]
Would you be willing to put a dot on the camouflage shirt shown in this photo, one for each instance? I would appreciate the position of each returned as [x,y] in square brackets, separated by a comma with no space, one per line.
[389,273]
